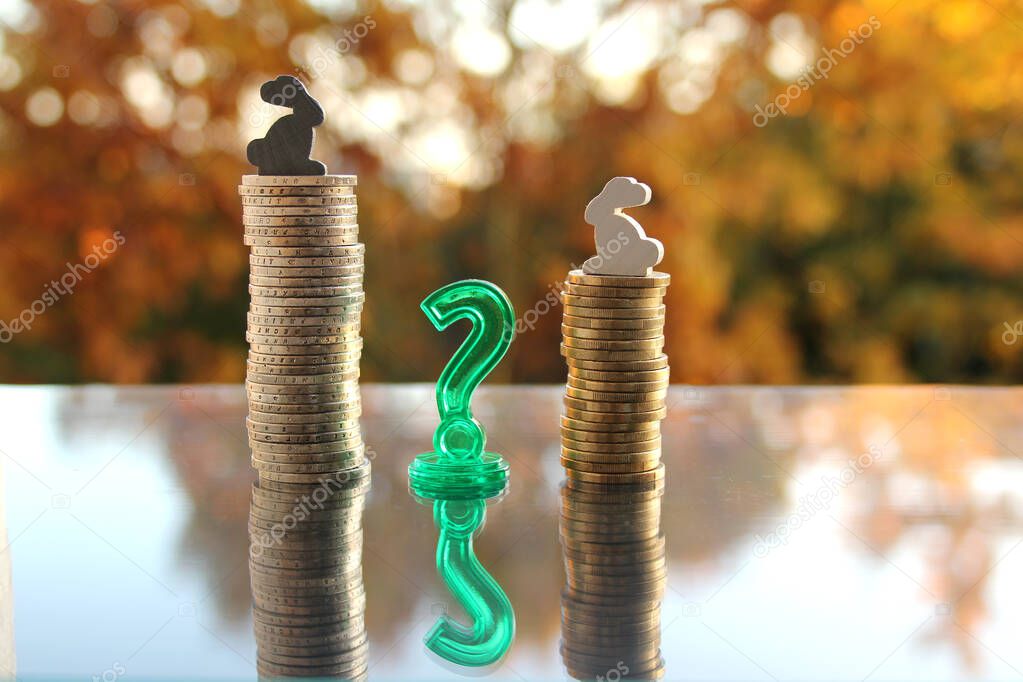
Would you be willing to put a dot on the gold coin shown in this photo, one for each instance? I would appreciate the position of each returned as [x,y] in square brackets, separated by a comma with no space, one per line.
[610,356]
[299,448]
[350,320]
[354,263]
[339,240]
[606,536]
[350,283]
[301,439]
[608,427]
[298,180]
[613,408]
[337,301]
[343,251]
[587,291]
[337,369]
[335,221]
[347,389]
[322,400]
[604,531]
[310,353]
[289,395]
[641,649]
[627,387]
[341,414]
[341,419]
[337,197]
[332,397]
[639,465]
[297,191]
[347,360]
[354,272]
[642,450]
[625,448]
[656,343]
[572,501]
[601,396]
[340,439]
[309,231]
[611,334]
[653,552]
[350,387]
[618,590]
[655,279]
[271,310]
[613,553]
[341,478]
[654,477]
[347,341]
[329,461]
[612,518]
[613,378]
[352,290]
[645,304]
[352,668]
[305,467]
[608,438]
[619,417]
[613,324]
[336,417]
[348,209]
[609,629]
[576,363]
[304,284]
[281,429]
[303,379]
[600,312]
[349,330]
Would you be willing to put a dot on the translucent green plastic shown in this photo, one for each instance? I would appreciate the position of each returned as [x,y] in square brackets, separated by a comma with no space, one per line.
[459,475]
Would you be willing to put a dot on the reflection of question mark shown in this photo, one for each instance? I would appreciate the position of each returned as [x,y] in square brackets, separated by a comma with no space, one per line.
[459,475]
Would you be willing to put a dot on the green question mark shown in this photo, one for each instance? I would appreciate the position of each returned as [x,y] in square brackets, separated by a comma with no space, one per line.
[459,476]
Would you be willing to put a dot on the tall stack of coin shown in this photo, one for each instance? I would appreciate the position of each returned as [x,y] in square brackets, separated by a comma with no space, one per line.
[613,339]
[305,284]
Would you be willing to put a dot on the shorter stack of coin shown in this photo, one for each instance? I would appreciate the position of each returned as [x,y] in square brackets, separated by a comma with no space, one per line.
[305,571]
[613,338]
[615,576]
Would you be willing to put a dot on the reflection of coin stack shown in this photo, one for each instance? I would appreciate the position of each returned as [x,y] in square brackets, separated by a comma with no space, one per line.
[305,568]
[610,438]
[305,287]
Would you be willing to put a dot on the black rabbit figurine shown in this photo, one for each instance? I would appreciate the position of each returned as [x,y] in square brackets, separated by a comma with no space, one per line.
[285,149]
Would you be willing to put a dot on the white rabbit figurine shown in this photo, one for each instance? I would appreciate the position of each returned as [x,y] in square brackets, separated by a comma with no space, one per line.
[622,246]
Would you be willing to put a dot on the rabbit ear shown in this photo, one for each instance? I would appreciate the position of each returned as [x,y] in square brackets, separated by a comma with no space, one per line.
[647,193]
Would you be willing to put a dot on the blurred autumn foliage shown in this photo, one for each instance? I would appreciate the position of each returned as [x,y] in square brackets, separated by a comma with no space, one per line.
[871,233]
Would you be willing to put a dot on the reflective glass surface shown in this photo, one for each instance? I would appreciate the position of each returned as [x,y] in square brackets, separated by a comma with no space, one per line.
[842,533]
